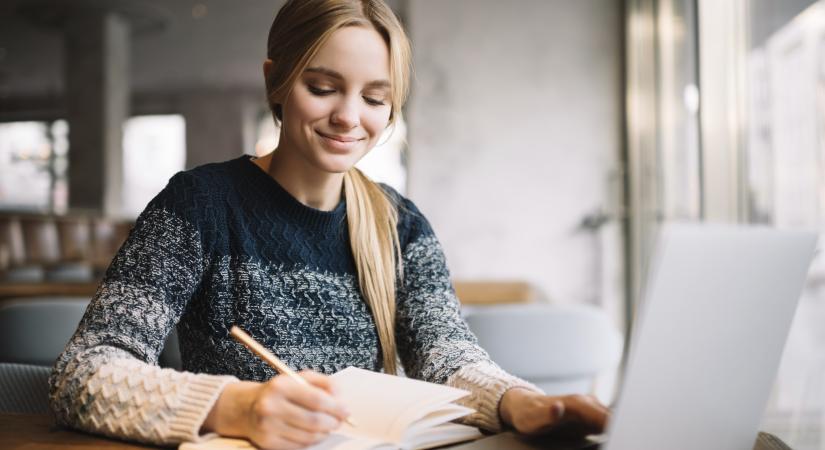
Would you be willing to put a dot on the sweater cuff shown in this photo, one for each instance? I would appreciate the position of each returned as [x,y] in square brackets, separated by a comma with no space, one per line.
[487,383]
[200,394]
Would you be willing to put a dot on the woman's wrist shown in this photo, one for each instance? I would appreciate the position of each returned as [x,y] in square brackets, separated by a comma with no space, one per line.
[230,409]
[509,403]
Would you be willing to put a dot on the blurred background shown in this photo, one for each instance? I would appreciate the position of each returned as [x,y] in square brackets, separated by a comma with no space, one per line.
[545,140]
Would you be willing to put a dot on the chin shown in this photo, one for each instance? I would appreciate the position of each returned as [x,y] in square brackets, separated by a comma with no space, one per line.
[337,163]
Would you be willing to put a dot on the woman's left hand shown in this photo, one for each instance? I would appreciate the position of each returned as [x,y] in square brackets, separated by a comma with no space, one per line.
[569,415]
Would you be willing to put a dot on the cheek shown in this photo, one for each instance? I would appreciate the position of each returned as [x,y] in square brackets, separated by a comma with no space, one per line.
[307,108]
[376,121]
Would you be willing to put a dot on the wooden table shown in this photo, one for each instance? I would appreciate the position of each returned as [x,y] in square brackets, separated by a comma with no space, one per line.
[15,290]
[38,432]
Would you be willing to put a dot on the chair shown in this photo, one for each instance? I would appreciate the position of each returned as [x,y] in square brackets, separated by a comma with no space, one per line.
[75,250]
[15,267]
[35,330]
[561,349]
[40,239]
[24,389]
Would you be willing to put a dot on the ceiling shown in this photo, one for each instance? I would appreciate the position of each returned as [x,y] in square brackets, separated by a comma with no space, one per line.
[202,43]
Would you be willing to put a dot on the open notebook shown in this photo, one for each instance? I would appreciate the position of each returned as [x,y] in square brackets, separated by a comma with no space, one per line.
[389,412]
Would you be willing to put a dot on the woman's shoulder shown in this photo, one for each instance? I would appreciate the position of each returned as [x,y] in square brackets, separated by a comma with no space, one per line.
[211,176]
[193,193]
[412,224]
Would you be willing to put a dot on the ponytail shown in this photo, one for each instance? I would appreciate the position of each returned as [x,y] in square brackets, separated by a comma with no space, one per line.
[372,218]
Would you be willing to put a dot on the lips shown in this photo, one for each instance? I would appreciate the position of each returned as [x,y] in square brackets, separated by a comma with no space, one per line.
[338,143]
[338,138]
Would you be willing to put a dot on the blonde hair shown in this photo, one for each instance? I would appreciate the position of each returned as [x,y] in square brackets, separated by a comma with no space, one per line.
[298,31]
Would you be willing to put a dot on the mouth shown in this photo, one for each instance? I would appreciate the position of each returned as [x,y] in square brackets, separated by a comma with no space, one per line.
[337,142]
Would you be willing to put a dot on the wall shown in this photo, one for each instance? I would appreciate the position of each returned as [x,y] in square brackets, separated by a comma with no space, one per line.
[515,127]
[514,121]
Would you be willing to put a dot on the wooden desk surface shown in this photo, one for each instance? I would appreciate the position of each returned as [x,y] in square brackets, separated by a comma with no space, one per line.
[14,290]
[38,432]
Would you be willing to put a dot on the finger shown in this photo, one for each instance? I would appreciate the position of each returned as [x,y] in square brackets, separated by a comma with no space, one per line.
[304,419]
[320,380]
[302,438]
[588,411]
[315,399]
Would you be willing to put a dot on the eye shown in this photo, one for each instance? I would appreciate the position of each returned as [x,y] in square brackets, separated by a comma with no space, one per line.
[318,91]
[373,102]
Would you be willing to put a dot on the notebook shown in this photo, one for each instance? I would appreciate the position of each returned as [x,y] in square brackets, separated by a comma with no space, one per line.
[390,412]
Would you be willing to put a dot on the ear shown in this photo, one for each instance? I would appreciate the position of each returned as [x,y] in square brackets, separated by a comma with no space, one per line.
[267,69]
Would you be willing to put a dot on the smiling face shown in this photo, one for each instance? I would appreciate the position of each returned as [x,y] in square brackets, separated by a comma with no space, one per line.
[340,105]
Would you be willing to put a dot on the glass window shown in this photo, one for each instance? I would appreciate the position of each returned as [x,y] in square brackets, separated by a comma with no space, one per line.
[154,149]
[784,186]
[33,165]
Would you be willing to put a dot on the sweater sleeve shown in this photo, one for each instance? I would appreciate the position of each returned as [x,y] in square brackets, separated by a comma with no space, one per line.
[434,342]
[107,380]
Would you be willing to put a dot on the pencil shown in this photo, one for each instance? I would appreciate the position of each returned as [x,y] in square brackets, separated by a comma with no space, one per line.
[271,359]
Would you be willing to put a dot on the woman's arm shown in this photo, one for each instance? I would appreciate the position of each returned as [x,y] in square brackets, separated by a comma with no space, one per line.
[106,380]
[435,344]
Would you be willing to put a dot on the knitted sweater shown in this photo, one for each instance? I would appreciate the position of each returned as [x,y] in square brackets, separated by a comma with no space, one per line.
[225,244]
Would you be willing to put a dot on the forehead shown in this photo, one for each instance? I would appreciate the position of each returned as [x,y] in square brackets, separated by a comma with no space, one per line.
[358,53]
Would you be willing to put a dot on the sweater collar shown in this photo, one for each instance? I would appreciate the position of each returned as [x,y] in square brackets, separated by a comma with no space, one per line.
[289,205]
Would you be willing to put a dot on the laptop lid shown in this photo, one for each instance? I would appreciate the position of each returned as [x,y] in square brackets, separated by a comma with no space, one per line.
[705,351]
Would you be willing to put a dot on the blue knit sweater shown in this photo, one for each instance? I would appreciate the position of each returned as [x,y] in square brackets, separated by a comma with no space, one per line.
[224,244]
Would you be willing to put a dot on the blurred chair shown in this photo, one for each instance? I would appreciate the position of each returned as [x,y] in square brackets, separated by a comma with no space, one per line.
[561,349]
[24,389]
[11,240]
[40,239]
[75,238]
[14,265]
[36,330]
[107,237]
[75,246]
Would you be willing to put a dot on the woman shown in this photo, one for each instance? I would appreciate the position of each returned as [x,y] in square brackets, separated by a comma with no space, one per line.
[301,250]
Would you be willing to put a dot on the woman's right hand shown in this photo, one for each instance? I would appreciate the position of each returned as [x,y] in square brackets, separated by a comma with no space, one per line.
[280,413]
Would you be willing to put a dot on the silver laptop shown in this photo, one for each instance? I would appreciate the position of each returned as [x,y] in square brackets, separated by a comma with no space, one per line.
[708,339]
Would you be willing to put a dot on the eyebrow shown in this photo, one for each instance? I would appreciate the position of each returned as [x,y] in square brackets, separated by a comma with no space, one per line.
[333,74]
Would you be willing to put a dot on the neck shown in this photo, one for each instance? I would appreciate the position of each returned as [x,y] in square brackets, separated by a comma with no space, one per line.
[312,187]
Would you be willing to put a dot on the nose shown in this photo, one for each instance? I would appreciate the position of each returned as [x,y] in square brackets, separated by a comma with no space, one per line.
[346,114]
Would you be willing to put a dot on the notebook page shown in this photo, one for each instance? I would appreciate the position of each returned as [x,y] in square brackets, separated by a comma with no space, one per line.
[384,406]
[443,415]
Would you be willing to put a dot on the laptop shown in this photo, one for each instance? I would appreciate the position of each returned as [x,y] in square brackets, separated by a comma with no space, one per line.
[707,343]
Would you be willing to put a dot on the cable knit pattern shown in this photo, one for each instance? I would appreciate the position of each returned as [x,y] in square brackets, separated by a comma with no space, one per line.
[487,383]
[225,244]
[131,399]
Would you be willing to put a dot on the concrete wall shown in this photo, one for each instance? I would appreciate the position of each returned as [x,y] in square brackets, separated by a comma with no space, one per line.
[514,128]
[514,121]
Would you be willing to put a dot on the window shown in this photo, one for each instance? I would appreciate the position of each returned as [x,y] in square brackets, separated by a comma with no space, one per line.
[33,165]
[154,149]
[784,184]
